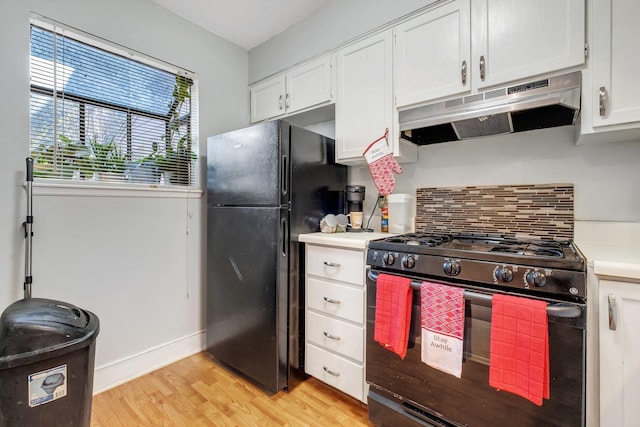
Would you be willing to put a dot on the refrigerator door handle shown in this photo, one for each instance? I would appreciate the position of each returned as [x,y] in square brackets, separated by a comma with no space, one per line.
[285,237]
[285,175]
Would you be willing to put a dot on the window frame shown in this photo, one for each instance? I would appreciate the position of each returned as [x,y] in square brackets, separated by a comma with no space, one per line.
[51,186]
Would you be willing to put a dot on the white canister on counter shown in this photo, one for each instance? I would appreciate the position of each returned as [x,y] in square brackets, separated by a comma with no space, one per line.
[400,210]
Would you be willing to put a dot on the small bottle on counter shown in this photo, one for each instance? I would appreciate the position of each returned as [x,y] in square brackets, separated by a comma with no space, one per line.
[384,214]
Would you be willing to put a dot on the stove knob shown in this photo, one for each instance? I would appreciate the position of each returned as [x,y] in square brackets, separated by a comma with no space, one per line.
[536,278]
[388,259]
[408,262]
[504,274]
[451,267]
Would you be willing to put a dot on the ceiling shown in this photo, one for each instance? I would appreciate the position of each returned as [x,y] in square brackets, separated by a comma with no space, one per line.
[246,23]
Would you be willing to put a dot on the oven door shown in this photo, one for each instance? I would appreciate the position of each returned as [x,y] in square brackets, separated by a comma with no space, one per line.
[407,392]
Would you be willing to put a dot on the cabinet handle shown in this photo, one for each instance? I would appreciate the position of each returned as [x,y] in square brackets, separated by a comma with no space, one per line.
[483,68]
[332,264]
[463,72]
[612,312]
[330,372]
[280,102]
[287,101]
[331,337]
[331,301]
[603,101]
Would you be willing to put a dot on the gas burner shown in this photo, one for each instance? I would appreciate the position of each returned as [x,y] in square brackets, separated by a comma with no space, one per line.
[485,238]
[531,251]
[421,239]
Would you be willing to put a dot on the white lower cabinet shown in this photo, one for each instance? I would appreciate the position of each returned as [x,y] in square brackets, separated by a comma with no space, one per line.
[619,308]
[335,318]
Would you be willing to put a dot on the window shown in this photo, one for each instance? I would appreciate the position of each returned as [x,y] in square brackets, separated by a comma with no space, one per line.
[101,114]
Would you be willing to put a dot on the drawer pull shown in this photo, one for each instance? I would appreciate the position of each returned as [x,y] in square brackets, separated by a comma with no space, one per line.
[330,372]
[331,264]
[331,337]
[331,301]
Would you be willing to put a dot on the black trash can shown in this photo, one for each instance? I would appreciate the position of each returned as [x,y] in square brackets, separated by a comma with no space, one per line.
[47,353]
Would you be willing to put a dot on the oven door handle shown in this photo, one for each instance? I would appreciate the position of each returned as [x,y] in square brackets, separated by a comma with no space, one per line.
[567,310]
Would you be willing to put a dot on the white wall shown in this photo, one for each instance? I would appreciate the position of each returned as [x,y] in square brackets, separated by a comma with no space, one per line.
[605,176]
[128,259]
[327,28]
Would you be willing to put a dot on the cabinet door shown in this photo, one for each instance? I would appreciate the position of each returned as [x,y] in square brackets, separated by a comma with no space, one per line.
[364,103]
[432,54]
[268,99]
[309,84]
[513,40]
[616,63]
[619,308]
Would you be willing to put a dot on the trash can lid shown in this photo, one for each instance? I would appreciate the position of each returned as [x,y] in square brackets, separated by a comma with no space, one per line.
[38,324]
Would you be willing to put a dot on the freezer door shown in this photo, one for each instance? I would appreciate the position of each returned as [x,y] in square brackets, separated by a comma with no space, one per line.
[247,292]
[246,167]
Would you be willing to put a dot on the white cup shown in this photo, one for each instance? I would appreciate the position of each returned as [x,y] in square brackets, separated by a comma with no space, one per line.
[356,219]
[343,222]
[328,224]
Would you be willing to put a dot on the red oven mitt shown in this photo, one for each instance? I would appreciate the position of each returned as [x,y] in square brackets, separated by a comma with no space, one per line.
[382,164]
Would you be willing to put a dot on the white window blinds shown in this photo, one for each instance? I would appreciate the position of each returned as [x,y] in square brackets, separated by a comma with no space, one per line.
[101,114]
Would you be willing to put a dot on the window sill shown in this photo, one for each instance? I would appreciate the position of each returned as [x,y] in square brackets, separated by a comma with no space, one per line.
[66,188]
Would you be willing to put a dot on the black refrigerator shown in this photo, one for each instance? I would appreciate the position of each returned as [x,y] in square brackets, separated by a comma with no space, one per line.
[266,184]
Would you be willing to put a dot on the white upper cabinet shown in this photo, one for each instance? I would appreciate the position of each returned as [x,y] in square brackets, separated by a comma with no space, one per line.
[364,99]
[267,99]
[303,87]
[616,62]
[432,54]
[512,40]
[463,46]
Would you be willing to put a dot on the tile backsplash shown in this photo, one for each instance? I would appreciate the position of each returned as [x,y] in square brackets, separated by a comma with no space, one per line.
[540,211]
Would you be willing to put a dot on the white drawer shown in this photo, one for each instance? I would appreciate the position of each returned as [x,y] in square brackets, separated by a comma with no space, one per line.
[338,336]
[338,264]
[338,300]
[335,371]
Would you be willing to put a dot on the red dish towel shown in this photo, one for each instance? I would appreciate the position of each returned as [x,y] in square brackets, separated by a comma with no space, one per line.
[519,347]
[442,314]
[393,313]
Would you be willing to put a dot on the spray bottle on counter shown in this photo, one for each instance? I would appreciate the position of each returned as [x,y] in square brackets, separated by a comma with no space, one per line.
[384,214]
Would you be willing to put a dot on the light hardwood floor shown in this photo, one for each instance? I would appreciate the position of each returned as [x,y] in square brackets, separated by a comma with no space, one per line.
[197,392]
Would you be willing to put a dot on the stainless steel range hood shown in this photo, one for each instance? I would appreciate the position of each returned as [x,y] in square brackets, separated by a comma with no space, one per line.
[550,102]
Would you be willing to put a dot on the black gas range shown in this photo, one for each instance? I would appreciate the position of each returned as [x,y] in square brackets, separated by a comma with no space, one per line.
[408,392]
[529,266]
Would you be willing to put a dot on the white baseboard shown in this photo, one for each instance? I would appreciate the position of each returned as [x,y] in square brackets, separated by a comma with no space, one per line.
[119,372]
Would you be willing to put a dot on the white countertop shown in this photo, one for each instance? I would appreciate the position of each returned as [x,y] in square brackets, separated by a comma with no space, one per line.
[349,240]
[612,248]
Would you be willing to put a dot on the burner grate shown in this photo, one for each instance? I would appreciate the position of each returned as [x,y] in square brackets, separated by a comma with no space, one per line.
[528,251]
[421,239]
